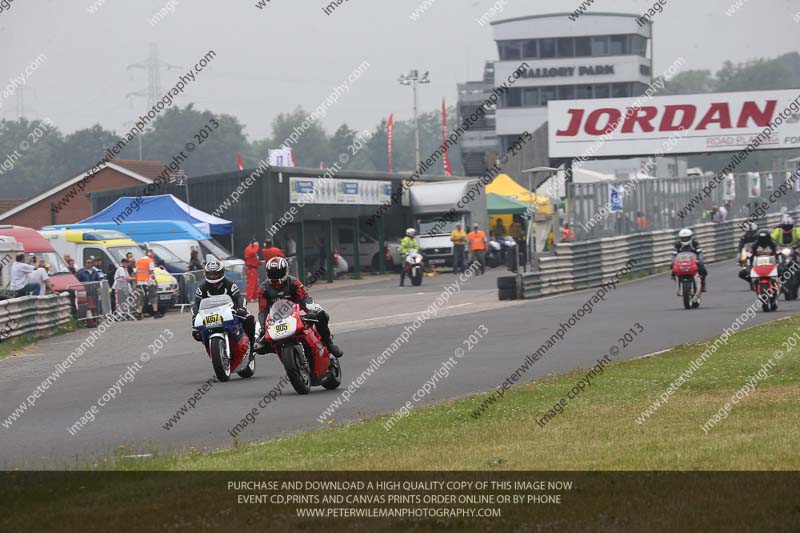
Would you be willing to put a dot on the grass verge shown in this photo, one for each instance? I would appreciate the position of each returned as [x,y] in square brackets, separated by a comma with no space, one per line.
[596,431]
[17,345]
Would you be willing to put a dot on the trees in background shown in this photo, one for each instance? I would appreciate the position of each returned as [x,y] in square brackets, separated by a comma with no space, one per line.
[55,157]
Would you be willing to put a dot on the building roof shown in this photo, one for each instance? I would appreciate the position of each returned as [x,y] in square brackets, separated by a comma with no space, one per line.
[7,204]
[147,169]
[70,182]
[558,15]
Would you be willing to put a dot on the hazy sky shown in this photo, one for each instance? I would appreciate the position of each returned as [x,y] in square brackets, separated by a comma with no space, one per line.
[291,53]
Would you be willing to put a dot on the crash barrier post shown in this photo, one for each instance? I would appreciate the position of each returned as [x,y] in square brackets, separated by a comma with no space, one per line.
[585,264]
[97,299]
[187,286]
[34,314]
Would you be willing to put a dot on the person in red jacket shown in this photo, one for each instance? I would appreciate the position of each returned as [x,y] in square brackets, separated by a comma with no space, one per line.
[252,262]
[270,251]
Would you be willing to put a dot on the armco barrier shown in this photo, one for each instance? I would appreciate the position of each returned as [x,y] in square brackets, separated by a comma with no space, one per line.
[581,265]
[33,314]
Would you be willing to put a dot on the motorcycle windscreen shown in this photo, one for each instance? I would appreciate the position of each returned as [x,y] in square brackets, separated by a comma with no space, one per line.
[281,310]
[685,257]
[215,301]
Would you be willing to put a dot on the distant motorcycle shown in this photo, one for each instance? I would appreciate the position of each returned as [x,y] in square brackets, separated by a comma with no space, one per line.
[499,250]
[764,274]
[223,335]
[414,265]
[788,263]
[688,279]
[305,357]
[744,264]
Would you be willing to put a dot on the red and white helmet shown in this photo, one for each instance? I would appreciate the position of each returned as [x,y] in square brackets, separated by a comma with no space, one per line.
[277,271]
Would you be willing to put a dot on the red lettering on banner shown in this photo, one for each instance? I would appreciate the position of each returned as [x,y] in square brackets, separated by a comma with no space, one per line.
[642,116]
[760,118]
[592,121]
[718,113]
[574,124]
[687,117]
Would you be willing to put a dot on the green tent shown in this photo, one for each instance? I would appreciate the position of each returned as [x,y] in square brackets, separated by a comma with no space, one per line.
[502,205]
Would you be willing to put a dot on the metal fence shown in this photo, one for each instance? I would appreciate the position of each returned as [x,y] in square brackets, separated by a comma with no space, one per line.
[97,300]
[586,264]
[671,203]
[187,286]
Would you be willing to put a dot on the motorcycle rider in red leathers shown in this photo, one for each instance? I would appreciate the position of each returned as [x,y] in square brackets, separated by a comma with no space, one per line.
[280,285]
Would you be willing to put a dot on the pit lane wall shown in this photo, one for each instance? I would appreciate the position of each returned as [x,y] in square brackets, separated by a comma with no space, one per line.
[582,265]
[35,315]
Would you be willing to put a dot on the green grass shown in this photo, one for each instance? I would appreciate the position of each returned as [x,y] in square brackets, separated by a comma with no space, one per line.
[18,345]
[596,431]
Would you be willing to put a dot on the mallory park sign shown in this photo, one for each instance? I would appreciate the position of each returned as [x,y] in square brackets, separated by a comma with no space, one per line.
[568,72]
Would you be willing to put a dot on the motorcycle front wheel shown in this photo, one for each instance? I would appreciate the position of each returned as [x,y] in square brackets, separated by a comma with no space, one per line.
[765,298]
[416,279]
[686,290]
[294,361]
[220,359]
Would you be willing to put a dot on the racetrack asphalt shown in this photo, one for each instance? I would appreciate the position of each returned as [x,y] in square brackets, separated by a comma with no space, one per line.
[367,317]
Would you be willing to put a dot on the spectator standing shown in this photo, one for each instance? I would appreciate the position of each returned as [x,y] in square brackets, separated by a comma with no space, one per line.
[71,266]
[499,229]
[459,239]
[20,273]
[122,285]
[252,262]
[98,266]
[641,221]
[270,250]
[87,274]
[291,247]
[567,235]
[477,247]
[194,260]
[146,280]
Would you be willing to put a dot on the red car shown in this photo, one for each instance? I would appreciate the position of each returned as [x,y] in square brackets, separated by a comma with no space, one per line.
[33,243]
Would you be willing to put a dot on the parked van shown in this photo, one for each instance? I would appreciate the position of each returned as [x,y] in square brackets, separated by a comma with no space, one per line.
[177,236]
[34,244]
[112,247]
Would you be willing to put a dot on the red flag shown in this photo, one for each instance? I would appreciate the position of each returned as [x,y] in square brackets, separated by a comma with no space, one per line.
[389,137]
[448,170]
[239,161]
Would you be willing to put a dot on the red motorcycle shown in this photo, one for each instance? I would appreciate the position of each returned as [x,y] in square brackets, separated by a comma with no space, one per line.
[686,273]
[293,336]
[764,274]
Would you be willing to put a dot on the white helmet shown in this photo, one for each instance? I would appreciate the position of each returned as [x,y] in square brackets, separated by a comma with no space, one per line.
[411,232]
[214,272]
[685,235]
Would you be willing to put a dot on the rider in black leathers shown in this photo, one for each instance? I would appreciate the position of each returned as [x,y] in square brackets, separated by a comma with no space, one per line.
[216,284]
[687,243]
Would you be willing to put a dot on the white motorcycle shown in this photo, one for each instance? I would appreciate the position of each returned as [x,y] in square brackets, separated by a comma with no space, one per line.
[414,265]
[222,332]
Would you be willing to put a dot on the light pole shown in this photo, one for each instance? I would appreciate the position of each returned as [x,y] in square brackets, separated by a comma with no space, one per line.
[139,137]
[412,78]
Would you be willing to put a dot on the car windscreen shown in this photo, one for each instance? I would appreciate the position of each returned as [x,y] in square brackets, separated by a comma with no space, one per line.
[211,247]
[165,254]
[119,252]
[57,265]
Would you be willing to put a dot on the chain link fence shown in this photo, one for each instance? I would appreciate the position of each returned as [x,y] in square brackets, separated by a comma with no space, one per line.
[598,210]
